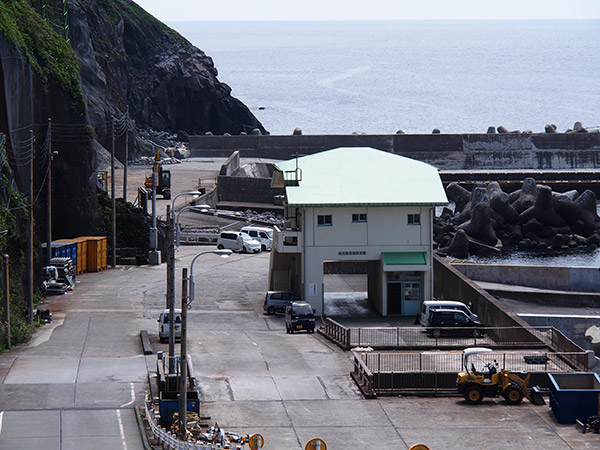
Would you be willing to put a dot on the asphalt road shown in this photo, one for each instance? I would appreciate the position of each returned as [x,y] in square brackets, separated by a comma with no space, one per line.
[75,384]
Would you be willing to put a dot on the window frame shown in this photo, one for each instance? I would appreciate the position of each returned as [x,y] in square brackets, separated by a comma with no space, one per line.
[410,219]
[326,223]
[358,218]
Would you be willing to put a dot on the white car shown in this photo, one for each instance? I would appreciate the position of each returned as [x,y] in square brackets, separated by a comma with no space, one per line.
[238,242]
[264,235]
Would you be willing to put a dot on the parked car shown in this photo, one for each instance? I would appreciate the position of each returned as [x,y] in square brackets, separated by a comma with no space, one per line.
[452,322]
[430,305]
[276,300]
[263,235]
[299,316]
[163,325]
[238,242]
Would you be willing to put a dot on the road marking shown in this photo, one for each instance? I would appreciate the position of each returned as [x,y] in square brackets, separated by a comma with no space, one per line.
[121,429]
[132,396]
[1,417]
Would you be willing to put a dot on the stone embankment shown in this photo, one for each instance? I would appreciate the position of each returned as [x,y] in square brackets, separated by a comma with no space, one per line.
[531,218]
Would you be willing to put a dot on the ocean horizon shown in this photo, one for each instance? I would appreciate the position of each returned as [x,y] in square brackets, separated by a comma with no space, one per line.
[378,77]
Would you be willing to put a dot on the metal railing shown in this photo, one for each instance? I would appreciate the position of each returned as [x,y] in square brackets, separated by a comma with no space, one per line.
[168,439]
[432,372]
[431,337]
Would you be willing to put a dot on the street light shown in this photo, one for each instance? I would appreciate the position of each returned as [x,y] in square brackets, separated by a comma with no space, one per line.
[194,194]
[171,274]
[186,208]
[187,296]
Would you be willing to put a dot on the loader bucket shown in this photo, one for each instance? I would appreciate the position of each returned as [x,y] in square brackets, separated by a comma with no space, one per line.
[536,396]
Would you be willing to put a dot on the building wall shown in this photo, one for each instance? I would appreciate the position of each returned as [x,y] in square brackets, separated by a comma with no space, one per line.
[386,230]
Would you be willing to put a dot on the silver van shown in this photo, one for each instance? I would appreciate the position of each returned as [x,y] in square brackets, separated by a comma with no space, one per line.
[163,325]
[264,235]
[276,301]
[238,242]
[430,305]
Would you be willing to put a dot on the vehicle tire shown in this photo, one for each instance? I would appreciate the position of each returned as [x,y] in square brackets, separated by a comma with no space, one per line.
[244,249]
[220,247]
[263,248]
[513,394]
[271,310]
[473,394]
[311,331]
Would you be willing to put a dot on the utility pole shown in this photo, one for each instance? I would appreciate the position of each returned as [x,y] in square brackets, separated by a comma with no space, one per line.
[183,357]
[126,155]
[49,224]
[6,294]
[171,287]
[114,200]
[30,256]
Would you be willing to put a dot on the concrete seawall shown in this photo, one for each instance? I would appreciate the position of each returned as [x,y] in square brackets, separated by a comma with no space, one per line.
[538,151]
[578,279]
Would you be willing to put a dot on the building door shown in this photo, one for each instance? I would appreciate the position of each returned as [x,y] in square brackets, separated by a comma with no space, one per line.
[411,300]
[394,297]
[404,297]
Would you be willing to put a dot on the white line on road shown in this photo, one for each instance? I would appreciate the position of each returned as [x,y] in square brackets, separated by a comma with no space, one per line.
[132,396]
[121,429]
[1,417]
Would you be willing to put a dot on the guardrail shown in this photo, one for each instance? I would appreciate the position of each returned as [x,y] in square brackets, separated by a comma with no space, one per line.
[379,373]
[169,440]
[431,337]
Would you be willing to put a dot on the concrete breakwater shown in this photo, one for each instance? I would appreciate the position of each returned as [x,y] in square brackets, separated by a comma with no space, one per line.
[537,151]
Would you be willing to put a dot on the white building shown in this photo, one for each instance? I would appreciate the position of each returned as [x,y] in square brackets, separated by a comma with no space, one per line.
[357,204]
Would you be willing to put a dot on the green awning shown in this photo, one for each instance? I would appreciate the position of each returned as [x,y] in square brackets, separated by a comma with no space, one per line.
[404,258]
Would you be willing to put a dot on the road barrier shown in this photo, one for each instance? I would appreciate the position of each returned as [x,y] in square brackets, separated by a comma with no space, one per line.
[172,442]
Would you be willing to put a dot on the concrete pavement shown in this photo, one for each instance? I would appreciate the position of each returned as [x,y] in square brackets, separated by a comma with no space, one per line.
[75,384]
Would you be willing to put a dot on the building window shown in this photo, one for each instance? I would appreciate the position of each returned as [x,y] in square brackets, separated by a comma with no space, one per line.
[414,219]
[359,218]
[324,220]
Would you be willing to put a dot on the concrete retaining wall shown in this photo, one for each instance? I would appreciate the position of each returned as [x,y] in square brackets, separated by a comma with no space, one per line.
[445,151]
[579,279]
[246,190]
[450,284]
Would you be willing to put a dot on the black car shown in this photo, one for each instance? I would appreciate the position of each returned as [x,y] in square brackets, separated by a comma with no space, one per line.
[452,322]
[299,316]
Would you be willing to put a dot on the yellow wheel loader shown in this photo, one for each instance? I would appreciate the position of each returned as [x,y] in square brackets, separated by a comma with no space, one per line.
[475,384]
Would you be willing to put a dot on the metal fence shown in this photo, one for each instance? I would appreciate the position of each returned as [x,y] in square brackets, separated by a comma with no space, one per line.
[168,439]
[385,373]
[422,337]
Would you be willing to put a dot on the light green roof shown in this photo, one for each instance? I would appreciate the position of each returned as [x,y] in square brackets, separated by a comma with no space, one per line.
[363,176]
[404,258]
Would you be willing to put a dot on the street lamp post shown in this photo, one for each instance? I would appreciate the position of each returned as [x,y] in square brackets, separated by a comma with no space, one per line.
[187,297]
[171,277]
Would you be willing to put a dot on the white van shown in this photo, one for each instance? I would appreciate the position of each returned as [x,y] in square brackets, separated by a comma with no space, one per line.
[264,235]
[238,242]
[163,325]
[443,304]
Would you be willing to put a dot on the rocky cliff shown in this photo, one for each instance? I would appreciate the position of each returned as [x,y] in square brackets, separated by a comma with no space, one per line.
[128,58]
[112,55]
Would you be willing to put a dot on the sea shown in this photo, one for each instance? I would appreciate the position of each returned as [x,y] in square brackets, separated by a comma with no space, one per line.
[378,77]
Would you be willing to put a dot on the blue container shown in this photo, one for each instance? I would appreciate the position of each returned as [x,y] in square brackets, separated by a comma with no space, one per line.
[169,404]
[574,395]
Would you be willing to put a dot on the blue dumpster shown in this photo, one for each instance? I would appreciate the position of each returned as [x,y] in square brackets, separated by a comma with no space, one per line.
[574,395]
[169,404]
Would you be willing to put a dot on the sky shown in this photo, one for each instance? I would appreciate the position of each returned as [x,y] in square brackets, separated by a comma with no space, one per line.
[200,10]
